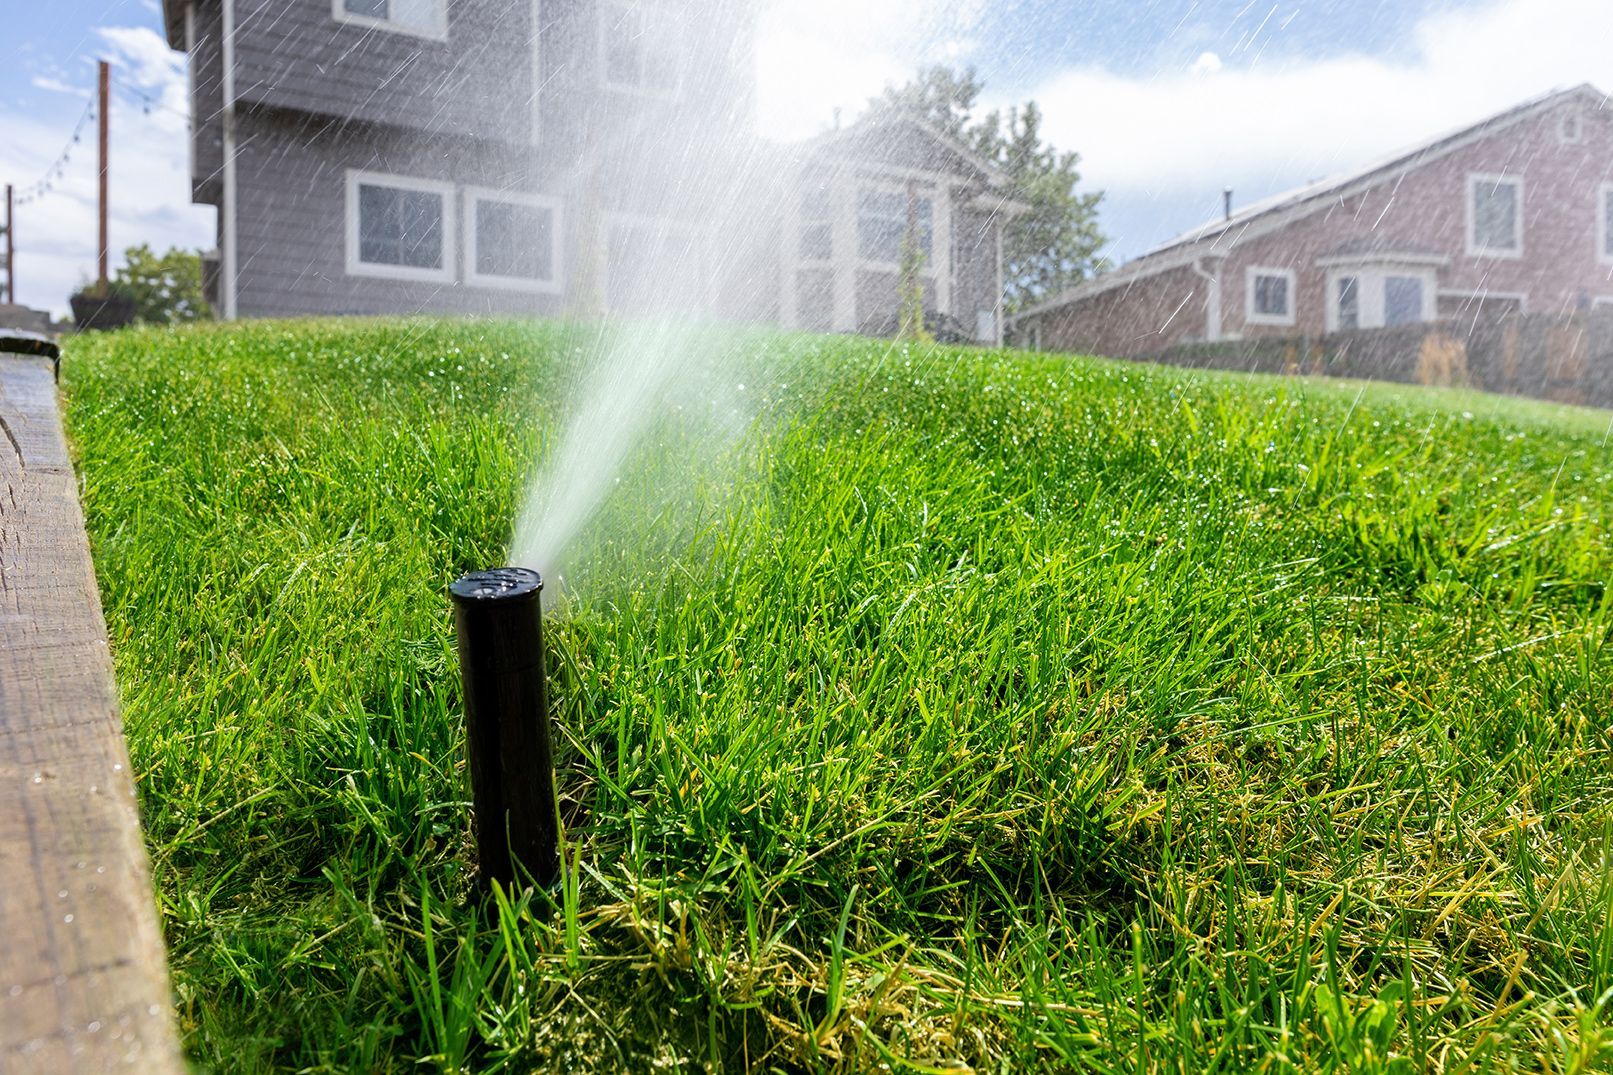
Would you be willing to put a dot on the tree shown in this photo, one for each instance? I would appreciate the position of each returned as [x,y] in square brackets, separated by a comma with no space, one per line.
[1055,243]
[166,289]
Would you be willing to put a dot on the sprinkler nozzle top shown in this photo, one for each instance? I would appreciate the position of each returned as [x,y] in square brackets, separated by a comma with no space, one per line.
[497,584]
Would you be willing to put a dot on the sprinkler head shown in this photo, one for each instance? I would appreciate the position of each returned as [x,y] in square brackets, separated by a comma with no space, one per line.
[499,620]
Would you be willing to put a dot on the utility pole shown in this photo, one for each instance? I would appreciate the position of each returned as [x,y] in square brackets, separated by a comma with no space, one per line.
[11,248]
[106,101]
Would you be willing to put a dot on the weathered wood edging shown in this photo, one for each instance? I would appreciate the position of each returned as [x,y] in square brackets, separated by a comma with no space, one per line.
[83,977]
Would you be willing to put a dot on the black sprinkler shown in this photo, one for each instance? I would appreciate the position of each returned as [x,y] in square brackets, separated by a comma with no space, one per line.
[499,618]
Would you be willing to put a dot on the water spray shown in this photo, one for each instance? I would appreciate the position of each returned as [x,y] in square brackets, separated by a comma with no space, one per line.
[499,618]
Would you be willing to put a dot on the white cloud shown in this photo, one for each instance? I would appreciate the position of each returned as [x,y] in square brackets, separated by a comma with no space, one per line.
[1173,140]
[56,85]
[149,173]
[816,57]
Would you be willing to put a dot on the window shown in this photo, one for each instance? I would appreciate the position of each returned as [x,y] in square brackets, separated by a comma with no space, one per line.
[1271,296]
[817,226]
[423,18]
[1402,300]
[1604,222]
[883,220]
[399,228]
[639,48]
[1570,128]
[513,241]
[1349,300]
[1494,216]
[1381,292]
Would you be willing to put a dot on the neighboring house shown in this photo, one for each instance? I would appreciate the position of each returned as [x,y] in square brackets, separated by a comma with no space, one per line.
[1513,214]
[858,193]
[552,157]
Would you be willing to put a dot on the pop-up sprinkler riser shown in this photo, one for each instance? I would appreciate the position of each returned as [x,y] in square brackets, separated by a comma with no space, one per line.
[499,619]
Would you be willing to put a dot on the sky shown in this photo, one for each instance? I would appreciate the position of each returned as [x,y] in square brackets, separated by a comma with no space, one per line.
[1167,101]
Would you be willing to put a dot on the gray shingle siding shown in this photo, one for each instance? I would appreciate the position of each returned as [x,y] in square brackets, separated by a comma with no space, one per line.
[295,54]
[292,235]
[974,268]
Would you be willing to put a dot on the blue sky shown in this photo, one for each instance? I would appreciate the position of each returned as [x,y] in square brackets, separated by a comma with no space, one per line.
[1168,101]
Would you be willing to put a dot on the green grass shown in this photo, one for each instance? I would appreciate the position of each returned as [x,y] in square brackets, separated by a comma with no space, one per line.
[1009,711]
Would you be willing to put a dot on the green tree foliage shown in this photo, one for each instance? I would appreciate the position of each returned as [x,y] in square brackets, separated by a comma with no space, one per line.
[1055,243]
[166,288]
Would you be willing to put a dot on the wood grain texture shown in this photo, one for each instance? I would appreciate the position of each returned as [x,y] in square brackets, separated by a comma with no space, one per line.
[83,978]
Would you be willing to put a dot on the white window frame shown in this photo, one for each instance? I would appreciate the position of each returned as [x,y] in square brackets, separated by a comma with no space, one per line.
[340,13]
[537,70]
[1371,295]
[676,45]
[355,267]
[1481,295]
[1474,250]
[556,282]
[1250,316]
[664,226]
[1603,223]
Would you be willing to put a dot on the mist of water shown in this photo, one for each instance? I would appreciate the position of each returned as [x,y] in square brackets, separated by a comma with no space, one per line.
[703,203]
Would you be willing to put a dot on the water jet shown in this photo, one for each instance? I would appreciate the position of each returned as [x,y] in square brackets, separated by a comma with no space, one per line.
[499,621]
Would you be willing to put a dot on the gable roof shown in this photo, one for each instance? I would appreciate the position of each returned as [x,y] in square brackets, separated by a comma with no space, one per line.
[1217,238]
[870,127]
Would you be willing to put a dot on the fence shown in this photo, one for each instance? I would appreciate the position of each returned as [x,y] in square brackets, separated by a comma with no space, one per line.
[1568,359]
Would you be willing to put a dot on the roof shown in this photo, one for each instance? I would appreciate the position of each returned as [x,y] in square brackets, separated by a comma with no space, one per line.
[173,22]
[1217,238]
[869,125]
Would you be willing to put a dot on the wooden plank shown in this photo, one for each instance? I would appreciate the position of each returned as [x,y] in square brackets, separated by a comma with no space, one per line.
[83,980]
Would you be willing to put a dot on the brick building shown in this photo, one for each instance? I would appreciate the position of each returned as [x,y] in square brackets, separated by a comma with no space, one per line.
[1511,214]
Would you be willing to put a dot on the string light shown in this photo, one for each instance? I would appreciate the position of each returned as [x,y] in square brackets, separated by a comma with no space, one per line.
[148,101]
[58,168]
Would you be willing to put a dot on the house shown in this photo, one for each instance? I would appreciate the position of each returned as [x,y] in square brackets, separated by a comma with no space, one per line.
[555,157]
[1513,214]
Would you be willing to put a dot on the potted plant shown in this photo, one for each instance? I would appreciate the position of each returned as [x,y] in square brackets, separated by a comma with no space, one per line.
[102,306]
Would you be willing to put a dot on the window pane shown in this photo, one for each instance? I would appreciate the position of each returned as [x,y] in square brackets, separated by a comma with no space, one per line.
[624,35]
[427,16]
[1607,223]
[1495,216]
[370,9]
[817,205]
[400,227]
[1349,303]
[514,240]
[1402,300]
[1271,296]
[882,222]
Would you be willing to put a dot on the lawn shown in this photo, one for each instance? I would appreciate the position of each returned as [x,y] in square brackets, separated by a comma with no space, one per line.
[962,708]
